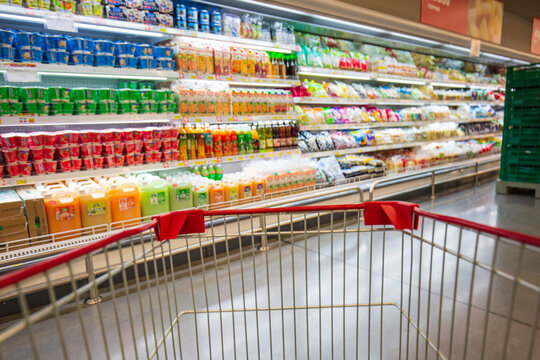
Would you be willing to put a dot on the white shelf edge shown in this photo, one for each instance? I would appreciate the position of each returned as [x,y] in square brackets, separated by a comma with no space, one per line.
[367,149]
[214,119]
[240,80]
[45,120]
[19,181]
[344,101]
[391,124]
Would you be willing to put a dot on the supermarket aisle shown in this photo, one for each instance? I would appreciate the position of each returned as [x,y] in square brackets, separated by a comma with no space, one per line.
[517,212]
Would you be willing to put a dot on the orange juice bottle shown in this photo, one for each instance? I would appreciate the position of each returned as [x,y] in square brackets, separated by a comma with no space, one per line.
[191,143]
[234,141]
[182,144]
[242,101]
[63,211]
[231,191]
[199,138]
[258,186]
[95,206]
[217,193]
[235,102]
[244,188]
[125,202]
[226,141]
[243,62]
[218,143]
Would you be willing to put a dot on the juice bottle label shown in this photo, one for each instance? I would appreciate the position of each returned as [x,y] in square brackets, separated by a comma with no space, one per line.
[260,189]
[247,191]
[157,198]
[183,194]
[202,198]
[126,203]
[96,208]
[218,196]
[233,195]
[65,213]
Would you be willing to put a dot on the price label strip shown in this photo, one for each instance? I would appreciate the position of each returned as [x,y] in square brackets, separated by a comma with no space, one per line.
[22,73]
[60,22]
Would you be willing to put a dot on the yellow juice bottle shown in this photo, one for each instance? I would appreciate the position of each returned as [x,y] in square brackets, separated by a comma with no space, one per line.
[125,203]
[63,212]
[95,206]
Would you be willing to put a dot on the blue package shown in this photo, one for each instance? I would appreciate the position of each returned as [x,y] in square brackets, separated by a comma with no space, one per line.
[24,55]
[88,59]
[120,48]
[149,5]
[204,28]
[166,65]
[104,60]
[204,17]
[54,42]
[103,47]
[162,52]
[7,38]
[120,61]
[23,40]
[37,56]
[51,57]
[114,12]
[130,49]
[181,24]
[8,53]
[82,59]
[181,12]
[62,57]
[131,62]
[216,29]
[192,15]
[36,41]
[76,45]
[143,50]
[150,18]
[153,64]
[193,26]
[143,63]
[215,17]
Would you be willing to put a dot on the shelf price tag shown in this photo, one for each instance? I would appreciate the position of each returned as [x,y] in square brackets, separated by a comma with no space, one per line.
[219,159]
[22,73]
[219,119]
[180,75]
[60,22]
[166,165]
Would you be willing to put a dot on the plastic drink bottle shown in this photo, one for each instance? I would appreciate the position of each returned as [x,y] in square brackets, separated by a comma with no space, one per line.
[63,211]
[125,203]
[182,144]
[199,138]
[254,139]
[219,172]
[95,206]
[200,195]
[180,194]
[262,137]
[216,193]
[226,141]
[269,137]
[231,191]
[208,142]
[244,188]
[258,186]
[218,144]
[234,141]
[191,143]
[241,141]
[154,196]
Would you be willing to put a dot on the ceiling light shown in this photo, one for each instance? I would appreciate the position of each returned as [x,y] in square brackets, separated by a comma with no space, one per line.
[400,81]
[415,38]
[494,56]
[22,18]
[520,61]
[125,31]
[455,47]
[449,85]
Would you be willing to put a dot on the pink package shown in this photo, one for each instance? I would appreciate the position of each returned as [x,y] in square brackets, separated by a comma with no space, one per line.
[9,141]
[98,162]
[164,133]
[119,160]
[39,167]
[166,156]
[174,144]
[109,161]
[157,144]
[107,136]
[1,170]
[48,152]
[23,154]
[108,149]
[94,136]
[25,168]
[74,151]
[63,152]
[97,149]
[10,156]
[173,133]
[138,146]
[85,137]
[50,166]
[37,153]
[149,146]
[175,154]
[62,138]
[13,169]
[157,156]
[86,149]
[117,135]
[48,139]
[22,140]
[130,147]
[156,134]
[88,163]
[65,165]
[139,158]
[36,138]
[76,164]
[118,148]
[148,158]
[146,134]
[73,137]
[166,145]
[130,159]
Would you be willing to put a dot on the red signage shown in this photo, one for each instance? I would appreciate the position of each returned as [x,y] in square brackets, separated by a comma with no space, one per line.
[446,14]
[535,37]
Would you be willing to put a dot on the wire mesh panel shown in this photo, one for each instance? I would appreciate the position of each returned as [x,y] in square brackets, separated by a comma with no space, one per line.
[308,283]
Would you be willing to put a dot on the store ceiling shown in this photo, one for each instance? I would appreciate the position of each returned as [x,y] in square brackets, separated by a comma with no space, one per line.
[526,9]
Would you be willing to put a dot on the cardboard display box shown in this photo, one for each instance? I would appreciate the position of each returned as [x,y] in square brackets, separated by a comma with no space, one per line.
[13,228]
[10,204]
[34,208]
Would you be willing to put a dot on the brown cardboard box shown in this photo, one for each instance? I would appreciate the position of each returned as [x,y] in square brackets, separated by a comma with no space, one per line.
[13,228]
[10,204]
[34,208]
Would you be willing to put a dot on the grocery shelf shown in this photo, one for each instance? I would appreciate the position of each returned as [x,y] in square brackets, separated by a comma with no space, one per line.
[88,23]
[90,119]
[104,72]
[408,102]
[241,80]
[138,168]
[384,78]
[368,149]
[391,124]
[214,119]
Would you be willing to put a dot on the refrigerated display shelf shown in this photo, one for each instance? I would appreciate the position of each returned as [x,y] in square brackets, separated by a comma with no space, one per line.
[384,78]
[213,119]
[407,102]
[241,80]
[368,149]
[90,119]
[89,23]
[391,124]
[26,180]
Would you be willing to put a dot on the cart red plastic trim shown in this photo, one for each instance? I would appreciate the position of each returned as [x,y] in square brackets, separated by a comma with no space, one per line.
[175,223]
[314,209]
[397,213]
[527,239]
[40,267]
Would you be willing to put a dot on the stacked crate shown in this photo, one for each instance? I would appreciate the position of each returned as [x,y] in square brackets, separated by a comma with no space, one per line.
[520,159]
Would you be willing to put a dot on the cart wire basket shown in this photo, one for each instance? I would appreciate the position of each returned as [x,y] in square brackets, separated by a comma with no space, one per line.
[378,280]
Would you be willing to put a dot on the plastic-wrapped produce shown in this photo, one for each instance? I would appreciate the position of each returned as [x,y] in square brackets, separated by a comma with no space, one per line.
[331,169]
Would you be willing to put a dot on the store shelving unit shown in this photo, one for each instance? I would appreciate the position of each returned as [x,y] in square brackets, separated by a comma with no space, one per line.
[391,102]
[370,149]
[232,119]
[34,120]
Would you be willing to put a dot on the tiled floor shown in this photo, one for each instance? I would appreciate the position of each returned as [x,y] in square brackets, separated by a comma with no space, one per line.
[340,268]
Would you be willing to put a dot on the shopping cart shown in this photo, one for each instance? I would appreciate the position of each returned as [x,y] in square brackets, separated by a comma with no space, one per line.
[380,280]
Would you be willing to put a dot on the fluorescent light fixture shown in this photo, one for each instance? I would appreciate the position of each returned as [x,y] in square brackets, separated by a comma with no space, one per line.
[520,61]
[119,30]
[498,57]
[275,7]
[248,45]
[458,48]
[449,85]
[103,76]
[400,81]
[415,38]
[340,76]
[22,18]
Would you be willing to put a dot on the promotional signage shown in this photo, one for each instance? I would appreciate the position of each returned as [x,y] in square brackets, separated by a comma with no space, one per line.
[481,19]
[535,37]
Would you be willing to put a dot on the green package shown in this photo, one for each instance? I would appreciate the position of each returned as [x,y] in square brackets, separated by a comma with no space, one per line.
[31,107]
[78,95]
[28,94]
[91,108]
[125,108]
[5,109]
[43,108]
[42,94]
[57,108]
[55,93]
[16,108]
[67,108]
[124,95]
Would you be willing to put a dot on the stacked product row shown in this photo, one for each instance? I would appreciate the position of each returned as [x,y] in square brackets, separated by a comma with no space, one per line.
[62,49]
[57,100]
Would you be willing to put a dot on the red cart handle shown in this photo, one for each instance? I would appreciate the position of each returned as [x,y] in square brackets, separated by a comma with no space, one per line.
[397,213]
